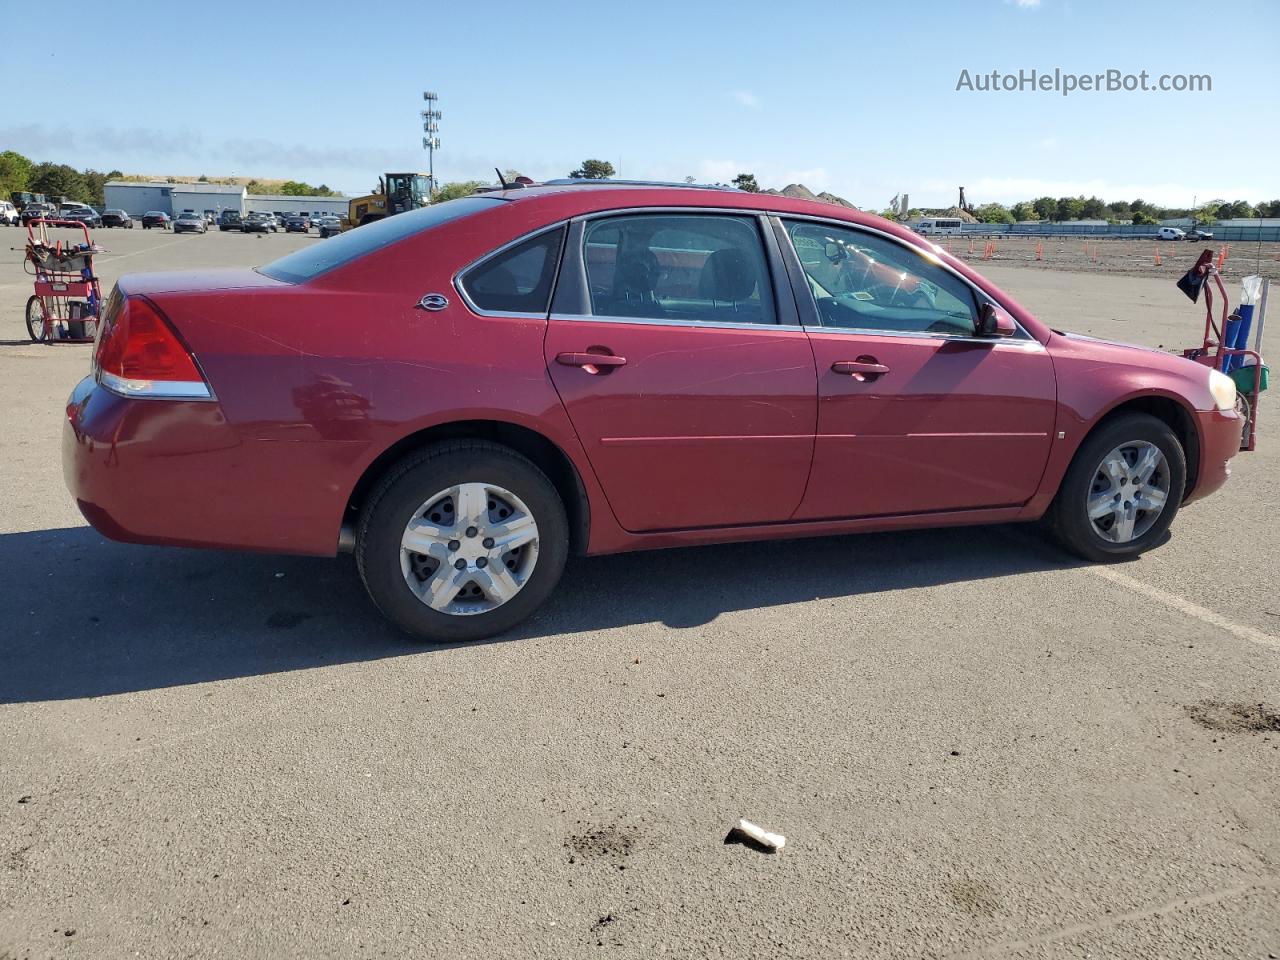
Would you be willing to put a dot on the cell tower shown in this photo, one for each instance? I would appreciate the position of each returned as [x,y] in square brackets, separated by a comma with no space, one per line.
[430,127]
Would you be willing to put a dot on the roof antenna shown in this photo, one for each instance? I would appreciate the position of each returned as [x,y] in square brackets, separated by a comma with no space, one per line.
[504,183]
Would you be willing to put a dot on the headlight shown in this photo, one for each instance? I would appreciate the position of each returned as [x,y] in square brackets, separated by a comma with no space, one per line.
[1223,389]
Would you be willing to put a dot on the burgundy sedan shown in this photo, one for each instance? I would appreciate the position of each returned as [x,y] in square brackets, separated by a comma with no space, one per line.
[466,393]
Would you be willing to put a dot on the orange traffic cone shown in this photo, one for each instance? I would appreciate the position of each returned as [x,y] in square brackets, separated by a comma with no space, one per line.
[1039,249]
[1157,256]
[971,246]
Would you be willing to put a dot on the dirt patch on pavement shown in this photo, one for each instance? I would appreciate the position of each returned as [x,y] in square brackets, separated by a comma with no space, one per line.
[1235,717]
[974,897]
[613,842]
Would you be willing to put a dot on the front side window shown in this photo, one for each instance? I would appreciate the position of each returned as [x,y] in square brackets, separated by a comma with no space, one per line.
[867,282]
[517,280]
[700,267]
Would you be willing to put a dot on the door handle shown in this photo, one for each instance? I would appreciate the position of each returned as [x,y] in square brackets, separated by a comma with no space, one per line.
[591,362]
[863,369]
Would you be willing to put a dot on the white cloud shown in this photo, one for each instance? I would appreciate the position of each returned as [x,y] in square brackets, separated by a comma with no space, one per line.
[746,98]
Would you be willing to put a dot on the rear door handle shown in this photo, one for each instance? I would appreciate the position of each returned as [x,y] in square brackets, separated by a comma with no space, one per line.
[862,369]
[590,362]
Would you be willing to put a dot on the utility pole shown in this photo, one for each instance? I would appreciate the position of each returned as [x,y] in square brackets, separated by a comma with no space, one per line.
[431,143]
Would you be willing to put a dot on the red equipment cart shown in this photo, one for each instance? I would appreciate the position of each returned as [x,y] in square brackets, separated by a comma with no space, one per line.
[1250,373]
[67,301]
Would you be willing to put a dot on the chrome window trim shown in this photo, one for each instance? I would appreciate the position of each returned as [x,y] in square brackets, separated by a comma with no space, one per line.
[666,322]
[1028,343]
[460,275]
[937,261]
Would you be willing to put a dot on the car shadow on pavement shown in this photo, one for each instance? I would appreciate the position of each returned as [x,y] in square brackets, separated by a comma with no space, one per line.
[82,616]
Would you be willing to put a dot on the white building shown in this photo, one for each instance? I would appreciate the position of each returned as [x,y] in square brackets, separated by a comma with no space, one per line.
[172,198]
[286,203]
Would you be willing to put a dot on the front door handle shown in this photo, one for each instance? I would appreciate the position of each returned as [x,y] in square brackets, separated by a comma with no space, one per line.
[591,362]
[865,368]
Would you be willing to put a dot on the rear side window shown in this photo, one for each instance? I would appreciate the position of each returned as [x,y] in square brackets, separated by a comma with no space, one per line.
[517,280]
[310,262]
[700,267]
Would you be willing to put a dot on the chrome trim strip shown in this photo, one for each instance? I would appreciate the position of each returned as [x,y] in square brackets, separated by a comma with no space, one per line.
[1030,343]
[662,322]
[155,389]
[461,273]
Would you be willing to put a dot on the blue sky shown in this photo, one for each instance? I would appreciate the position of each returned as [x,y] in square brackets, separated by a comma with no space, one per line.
[857,98]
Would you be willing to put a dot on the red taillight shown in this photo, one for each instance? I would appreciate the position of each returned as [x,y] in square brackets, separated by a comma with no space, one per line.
[138,353]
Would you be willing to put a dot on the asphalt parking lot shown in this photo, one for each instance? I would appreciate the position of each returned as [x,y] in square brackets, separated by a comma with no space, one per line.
[975,745]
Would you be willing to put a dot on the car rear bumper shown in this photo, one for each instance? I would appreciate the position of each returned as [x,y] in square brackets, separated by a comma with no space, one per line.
[175,472]
[1219,442]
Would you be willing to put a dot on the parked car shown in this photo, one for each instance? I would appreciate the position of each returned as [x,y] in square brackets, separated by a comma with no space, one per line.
[9,214]
[257,222]
[117,218]
[85,215]
[38,211]
[155,218]
[1200,233]
[230,220]
[329,226]
[297,223]
[190,222]
[1170,233]
[608,368]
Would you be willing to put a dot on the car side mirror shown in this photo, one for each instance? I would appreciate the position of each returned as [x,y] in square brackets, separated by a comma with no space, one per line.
[834,252]
[994,321]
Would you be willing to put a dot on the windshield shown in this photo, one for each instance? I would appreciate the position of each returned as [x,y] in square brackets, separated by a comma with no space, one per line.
[311,262]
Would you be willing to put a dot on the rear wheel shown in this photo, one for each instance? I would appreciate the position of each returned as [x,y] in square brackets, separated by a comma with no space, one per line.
[462,541]
[1122,490]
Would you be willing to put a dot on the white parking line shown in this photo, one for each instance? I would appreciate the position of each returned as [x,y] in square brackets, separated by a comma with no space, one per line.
[1183,605]
[107,257]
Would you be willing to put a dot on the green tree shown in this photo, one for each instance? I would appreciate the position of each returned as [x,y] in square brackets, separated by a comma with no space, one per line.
[1269,208]
[15,173]
[452,191]
[747,182]
[1045,207]
[1025,210]
[1093,209]
[1068,208]
[1209,212]
[114,175]
[993,213]
[1141,217]
[593,170]
[56,180]
[1236,209]
[511,176]
[202,179]
[95,182]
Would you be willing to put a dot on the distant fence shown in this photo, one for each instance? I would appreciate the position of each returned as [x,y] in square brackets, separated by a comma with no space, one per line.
[1231,234]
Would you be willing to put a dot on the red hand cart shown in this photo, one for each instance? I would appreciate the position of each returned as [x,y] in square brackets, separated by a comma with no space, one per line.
[67,301]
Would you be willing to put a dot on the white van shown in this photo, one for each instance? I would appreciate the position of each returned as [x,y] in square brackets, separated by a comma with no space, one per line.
[1170,233]
[943,225]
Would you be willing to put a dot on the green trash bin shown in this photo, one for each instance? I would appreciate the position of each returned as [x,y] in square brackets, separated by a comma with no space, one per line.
[1243,376]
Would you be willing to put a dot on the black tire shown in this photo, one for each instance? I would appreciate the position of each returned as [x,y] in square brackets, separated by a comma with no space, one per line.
[1068,518]
[404,489]
[35,327]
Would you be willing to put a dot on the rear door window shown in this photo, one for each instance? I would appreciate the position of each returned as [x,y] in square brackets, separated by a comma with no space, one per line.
[699,267]
[517,280]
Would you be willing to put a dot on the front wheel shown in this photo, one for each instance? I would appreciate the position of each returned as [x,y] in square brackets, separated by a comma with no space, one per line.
[1122,490]
[462,541]
[37,329]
